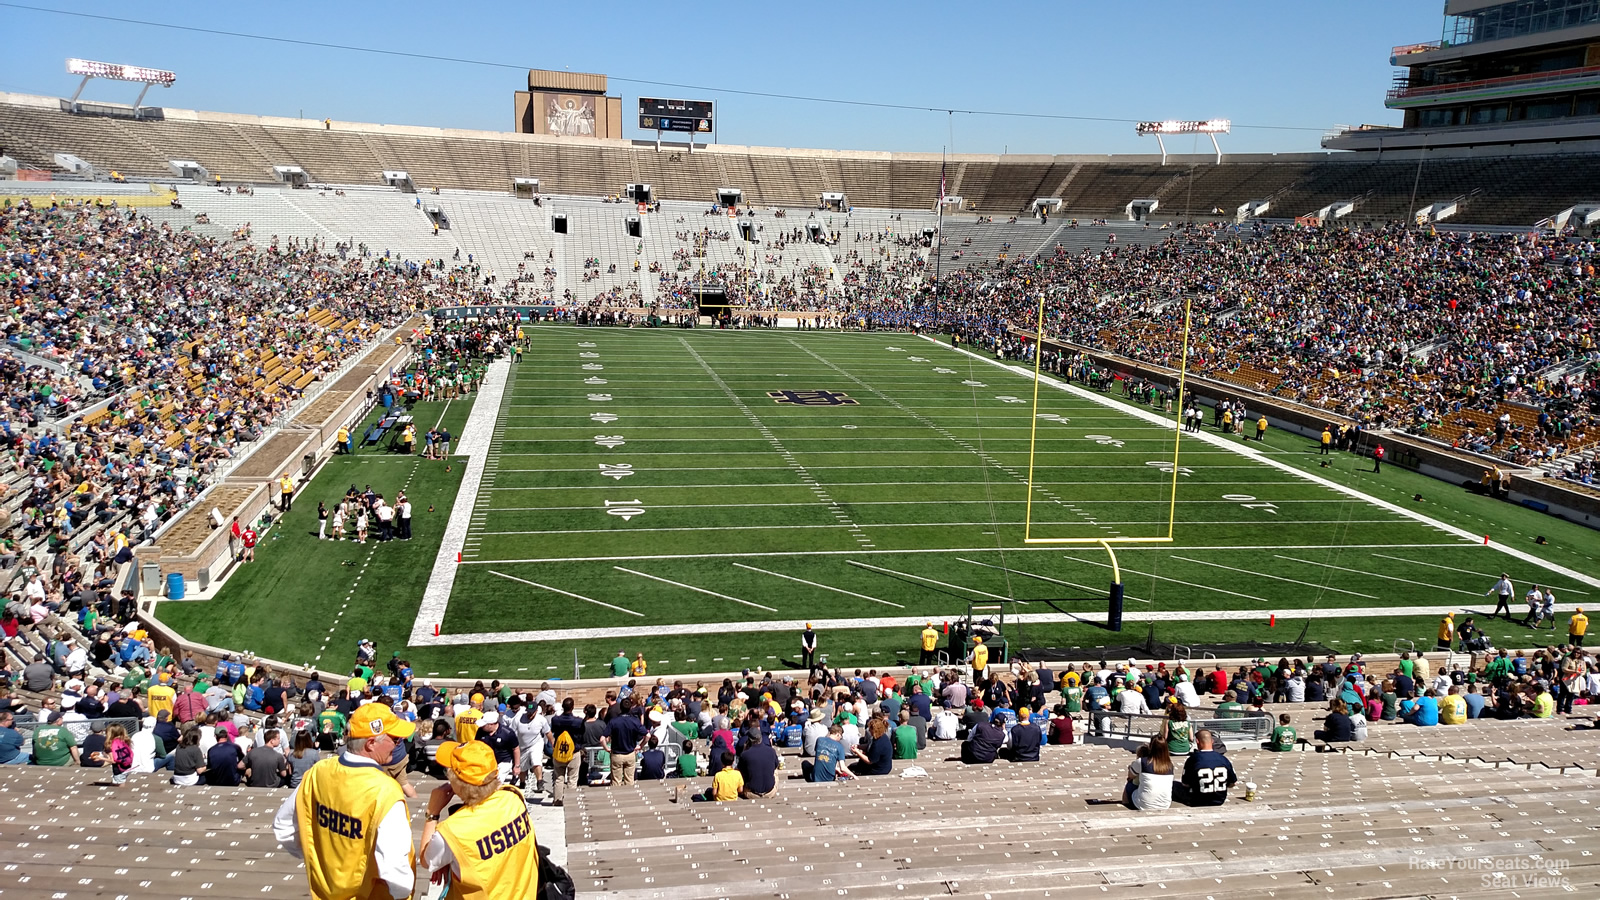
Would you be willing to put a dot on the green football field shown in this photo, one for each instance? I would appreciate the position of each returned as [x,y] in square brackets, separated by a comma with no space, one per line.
[699,495]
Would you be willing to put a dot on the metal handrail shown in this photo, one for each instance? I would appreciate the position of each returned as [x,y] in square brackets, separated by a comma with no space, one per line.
[1530,78]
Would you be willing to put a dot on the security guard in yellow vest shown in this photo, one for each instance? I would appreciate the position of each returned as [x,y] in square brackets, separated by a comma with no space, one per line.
[467,722]
[348,819]
[341,440]
[930,645]
[980,662]
[286,491]
[485,849]
[1577,627]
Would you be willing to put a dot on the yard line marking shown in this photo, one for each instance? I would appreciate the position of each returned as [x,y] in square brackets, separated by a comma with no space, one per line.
[442,413]
[1376,575]
[780,553]
[1277,577]
[826,587]
[566,593]
[1205,587]
[693,588]
[932,581]
[1073,584]
[1464,571]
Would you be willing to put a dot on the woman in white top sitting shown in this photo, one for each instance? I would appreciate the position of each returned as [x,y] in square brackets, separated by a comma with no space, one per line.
[1149,784]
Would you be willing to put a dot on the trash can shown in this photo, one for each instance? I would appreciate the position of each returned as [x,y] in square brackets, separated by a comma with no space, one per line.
[174,585]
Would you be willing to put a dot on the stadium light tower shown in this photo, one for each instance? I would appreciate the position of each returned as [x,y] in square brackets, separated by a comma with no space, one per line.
[1210,128]
[89,69]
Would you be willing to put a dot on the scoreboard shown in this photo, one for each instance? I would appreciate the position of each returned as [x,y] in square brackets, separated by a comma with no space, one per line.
[676,115]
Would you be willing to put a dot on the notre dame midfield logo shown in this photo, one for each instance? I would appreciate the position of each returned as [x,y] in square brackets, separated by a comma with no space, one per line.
[811,398]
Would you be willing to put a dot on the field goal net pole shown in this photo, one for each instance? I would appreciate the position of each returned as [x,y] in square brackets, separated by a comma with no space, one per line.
[1114,596]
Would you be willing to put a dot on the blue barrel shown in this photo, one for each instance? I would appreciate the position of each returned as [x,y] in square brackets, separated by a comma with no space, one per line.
[174,585]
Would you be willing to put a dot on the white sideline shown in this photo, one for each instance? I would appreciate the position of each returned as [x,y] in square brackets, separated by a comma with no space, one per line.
[1252,453]
[474,445]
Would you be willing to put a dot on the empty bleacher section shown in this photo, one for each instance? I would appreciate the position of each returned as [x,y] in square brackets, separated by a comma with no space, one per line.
[1505,189]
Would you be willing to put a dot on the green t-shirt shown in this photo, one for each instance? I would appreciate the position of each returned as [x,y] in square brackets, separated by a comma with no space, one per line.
[688,765]
[1180,737]
[1073,696]
[690,730]
[52,746]
[619,667]
[905,742]
[1408,666]
[1283,738]
[1229,711]
[334,716]
[134,678]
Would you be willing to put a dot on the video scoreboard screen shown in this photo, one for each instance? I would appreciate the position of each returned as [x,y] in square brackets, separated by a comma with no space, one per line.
[675,115]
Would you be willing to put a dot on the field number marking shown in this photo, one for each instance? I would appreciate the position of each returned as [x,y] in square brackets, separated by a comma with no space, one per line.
[618,471]
[626,509]
[1244,501]
[1109,441]
[1166,467]
[609,441]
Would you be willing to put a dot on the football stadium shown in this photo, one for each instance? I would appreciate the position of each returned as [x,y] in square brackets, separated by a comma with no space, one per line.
[565,504]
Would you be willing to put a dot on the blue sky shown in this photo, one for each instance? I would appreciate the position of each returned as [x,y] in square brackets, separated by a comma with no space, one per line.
[1284,63]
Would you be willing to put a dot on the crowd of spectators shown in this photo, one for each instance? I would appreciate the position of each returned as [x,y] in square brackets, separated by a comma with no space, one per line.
[188,348]
[1392,327]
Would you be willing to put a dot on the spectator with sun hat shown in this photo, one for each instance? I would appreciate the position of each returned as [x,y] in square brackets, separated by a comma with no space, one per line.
[348,818]
[485,846]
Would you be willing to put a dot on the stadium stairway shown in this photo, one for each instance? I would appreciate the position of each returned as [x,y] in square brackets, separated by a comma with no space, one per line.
[1349,825]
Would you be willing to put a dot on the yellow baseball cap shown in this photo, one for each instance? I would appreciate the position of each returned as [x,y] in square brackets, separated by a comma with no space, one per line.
[374,719]
[473,762]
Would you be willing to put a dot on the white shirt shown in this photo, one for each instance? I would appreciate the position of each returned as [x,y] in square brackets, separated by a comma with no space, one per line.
[1131,701]
[143,742]
[405,513]
[1152,791]
[391,852]
[1297,689]
[530,732]
[1186,694]
[945,725]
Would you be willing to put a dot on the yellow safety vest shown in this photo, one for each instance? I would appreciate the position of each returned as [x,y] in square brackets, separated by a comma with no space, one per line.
[1580,625]
[339,806]
[495,848]
[930,639]
[161,700]
[980,657]
[467,725]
